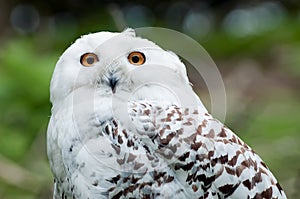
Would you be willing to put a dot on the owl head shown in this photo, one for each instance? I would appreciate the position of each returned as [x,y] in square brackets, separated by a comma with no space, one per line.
[111,62]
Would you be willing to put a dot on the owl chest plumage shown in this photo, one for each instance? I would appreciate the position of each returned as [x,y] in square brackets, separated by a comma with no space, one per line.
[167,152]
[98,158]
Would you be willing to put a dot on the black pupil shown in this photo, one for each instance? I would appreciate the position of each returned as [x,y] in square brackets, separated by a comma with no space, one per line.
[135,59]
[90,60]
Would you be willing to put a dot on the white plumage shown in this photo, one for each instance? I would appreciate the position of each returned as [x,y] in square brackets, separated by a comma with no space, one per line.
[126,124]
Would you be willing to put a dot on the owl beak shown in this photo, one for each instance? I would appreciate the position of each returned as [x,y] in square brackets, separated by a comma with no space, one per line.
[112,83]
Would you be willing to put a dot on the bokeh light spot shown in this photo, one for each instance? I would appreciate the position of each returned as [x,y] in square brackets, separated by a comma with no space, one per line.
[25,19]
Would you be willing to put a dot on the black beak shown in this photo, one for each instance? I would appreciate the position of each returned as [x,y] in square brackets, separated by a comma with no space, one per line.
[112,83]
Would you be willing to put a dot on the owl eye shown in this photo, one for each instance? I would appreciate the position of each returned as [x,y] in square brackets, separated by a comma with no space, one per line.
[88,59]
[136,58]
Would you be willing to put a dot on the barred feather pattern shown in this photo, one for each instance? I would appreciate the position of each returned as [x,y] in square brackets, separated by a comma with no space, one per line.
[172,153]
[208,159]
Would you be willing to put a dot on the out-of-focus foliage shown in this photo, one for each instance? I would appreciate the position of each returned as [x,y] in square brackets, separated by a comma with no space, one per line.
[258,59]
[25,109]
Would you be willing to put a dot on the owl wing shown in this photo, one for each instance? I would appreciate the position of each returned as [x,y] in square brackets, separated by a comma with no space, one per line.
[208,159]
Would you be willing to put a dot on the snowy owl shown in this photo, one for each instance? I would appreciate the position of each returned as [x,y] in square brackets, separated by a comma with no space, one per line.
[126,124]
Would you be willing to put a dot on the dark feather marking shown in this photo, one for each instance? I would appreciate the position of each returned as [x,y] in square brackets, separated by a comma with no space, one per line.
[230,171]
[147,148]
[239,170]
[120,140]
[186,111]
[116,148]
[190,139]
[168,179]
[204,196]
[125,133]
[254,180]
[121,161]
[222,133]
[134,180]
[206,180]
[195,188]
[189,178]
[205,166]
[210,154]
[247,184]
[95,183]
[262,163]
[71,148]
[257,178]
[130,143]
[188,166]
[107,130]
[147,112]
[150,157]
[184,156]
[115,179]
[138,165]
[267,194]
[228,189]
[196,145]
[233,160]
[131,157]
[179,131]
[118,195]
[129,189]
[115,123]
[211,134]
[188,123]
[223,159]
[167,140]
[279,187]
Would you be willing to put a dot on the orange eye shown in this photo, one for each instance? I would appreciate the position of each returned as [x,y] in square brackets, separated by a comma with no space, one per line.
[88,59]
[136,58]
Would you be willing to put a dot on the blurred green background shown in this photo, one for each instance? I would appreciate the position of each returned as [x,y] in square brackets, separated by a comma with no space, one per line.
[255,44]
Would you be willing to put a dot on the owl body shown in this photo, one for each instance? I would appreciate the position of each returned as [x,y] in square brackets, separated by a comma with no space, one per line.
[119,132]
[108,162]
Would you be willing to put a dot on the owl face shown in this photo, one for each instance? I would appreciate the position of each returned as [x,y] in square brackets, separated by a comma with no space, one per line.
[108,62]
